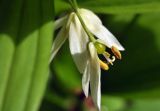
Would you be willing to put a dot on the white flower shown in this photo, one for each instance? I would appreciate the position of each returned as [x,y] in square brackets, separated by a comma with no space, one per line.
[84,51]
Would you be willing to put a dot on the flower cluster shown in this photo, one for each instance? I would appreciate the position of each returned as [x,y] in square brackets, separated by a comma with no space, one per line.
[88,37]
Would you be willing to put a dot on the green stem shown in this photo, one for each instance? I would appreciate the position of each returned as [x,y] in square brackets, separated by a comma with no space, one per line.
[75,7]
[75,4]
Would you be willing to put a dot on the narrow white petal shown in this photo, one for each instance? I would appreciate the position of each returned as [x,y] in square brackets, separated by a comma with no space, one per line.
[106,36]
[89,18]
[78,44]
[95,77]
[60,22]
[86,79]
[58,42]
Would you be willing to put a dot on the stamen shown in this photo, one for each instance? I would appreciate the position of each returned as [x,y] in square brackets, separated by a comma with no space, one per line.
[110,61]
[113,58]
[116,52]
[106,54]
[103,65]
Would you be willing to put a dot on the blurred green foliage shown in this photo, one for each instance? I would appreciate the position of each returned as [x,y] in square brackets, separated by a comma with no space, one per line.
[26,30]
[132,84]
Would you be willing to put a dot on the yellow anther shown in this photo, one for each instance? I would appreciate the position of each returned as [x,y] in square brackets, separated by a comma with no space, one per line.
[103,65]
[116,52]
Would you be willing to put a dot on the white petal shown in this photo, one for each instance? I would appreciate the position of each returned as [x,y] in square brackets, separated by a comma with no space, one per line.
[58,42]
[106,36]
[95,77]
[85,80]
[78,44]
[70,18]
[60,22]
[89,18]
[94,24]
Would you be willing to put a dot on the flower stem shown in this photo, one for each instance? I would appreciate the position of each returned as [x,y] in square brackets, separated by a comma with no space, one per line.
[74,5]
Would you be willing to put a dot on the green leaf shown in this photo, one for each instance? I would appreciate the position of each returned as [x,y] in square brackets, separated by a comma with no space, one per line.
[110,103]
[123,6]
[61,6]
[55,99]
[137,75]
[144,105]
[25,40]
[113,6]
[113,103]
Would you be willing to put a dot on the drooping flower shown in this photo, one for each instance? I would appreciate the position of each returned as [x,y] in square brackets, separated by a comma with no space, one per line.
[85,51]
